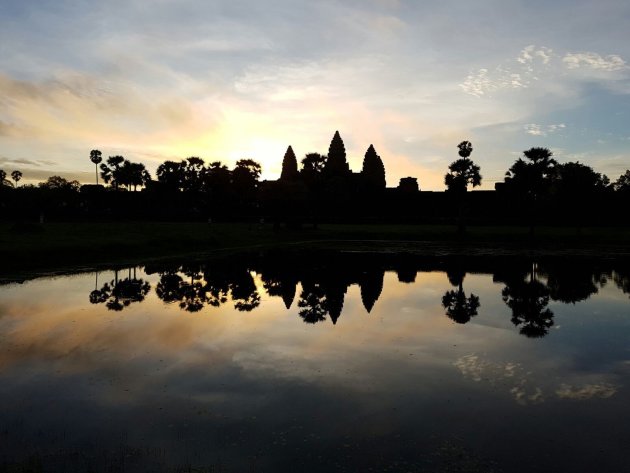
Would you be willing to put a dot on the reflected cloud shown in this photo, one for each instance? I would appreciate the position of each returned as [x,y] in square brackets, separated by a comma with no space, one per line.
[586,392]
[511,376]
[522,384]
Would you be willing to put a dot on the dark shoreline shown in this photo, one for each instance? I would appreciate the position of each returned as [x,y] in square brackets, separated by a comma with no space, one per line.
[62,248]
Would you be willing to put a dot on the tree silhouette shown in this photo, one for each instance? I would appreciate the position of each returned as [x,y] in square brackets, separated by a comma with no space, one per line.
[3,178]
[532,179]
[336,164]
[289,166]
[217,286]
[528,300]
[168,289]
[217,183]
[462,173]
[373,171]
[120,172]
[134,175]
[248,167]
[190,291]
[622,280]
[574,179]
[244,292]
[570,282]
[578,188]
[193,170]
[171,174]
[132,289]
[96,158]
[111,171]
[312,303]
[118,294]
[97,296]
[193,291]
[313,166]
[59,183]
[623,183]
[312,172]
[459,308]
[16,176]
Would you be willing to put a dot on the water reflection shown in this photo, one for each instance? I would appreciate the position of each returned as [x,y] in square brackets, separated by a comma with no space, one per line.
[318,362]
[324,279]
[120,293]
[459,308]
[622,279]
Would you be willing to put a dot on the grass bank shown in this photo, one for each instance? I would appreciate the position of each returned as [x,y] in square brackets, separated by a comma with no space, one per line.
[63,245]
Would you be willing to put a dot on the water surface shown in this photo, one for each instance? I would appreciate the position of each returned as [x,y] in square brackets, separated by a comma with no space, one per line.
[319,362]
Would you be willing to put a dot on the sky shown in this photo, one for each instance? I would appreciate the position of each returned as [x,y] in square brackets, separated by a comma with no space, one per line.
[223,80]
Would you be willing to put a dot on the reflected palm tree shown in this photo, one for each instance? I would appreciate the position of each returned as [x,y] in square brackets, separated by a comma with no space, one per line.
[312,303]
[97,296]
[168,289]
[622,280]
[192,291]
[244,292]
[571,283]
[528,300]
[459,308]
[189,291]
[118,294]
[217,288]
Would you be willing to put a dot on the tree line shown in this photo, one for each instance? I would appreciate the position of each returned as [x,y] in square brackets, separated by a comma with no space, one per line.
[322,188]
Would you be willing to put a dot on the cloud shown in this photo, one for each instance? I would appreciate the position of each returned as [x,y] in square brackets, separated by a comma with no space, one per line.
[530,55]
[513,74]
[27,162]
[540,66]
[540,130]
[483,82]
[592,60]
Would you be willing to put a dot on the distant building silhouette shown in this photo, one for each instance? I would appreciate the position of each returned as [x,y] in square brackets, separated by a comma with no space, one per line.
[373,171]
[336,164]
[408,184]
[289,166]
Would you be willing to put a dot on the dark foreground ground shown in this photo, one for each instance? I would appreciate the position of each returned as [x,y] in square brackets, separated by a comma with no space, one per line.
[58,247]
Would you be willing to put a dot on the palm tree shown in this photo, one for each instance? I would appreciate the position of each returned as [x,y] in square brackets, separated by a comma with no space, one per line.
[462,173]
[171,174]
[96,158]
[16,176]
[532,179]
[111,170]
[3,177]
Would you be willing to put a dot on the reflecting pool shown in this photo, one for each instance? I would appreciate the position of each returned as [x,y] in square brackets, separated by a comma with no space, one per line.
[319,362]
